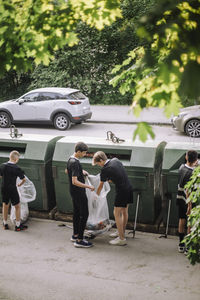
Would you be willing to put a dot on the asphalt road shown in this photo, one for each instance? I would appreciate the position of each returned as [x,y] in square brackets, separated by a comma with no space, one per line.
[41,263]
[125,131]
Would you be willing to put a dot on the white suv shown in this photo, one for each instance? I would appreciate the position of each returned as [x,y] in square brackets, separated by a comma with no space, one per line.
[51,105]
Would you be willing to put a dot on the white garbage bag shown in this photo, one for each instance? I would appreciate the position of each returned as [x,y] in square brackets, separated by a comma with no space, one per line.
[98,219]
[27,193]
[24,213]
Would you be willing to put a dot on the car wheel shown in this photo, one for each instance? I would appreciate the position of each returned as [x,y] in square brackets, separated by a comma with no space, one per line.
[5,120]
[61,122]
[192,128]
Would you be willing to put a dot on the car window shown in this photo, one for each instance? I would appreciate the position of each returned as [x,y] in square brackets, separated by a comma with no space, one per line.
[45,96]
[76,96]
[30,97]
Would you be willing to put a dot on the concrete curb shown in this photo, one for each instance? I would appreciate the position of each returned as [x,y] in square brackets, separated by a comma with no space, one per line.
[128,122]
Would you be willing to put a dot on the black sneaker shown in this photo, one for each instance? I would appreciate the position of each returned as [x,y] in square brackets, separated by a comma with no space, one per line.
[21,227]
[181,248]
[186,251]
[5,226]
[86,237]
[83,244]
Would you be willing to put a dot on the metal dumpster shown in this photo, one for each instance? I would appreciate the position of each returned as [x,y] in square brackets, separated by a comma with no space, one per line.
[174,156]
[138,159]
[36,152]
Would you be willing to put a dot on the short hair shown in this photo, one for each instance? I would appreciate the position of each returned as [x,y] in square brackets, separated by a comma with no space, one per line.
[98,156]
[80,146]
[14,154]
[192,156]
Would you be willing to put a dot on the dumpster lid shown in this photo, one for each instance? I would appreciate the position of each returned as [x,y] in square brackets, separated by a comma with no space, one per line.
[174,154]
[135,153]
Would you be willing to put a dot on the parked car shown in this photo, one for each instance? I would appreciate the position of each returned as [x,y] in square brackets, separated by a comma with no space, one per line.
[50,105]
[188,121]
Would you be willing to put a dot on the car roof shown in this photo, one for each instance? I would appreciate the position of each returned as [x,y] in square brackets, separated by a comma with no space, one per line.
[59,90]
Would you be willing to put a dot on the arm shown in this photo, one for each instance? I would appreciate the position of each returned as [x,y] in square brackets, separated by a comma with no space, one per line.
[22,182]
[100,187]
[85,173]
[76,182]
[189,207]
[66,171]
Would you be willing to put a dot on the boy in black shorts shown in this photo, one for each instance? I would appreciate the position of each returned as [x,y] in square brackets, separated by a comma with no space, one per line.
[113,170]
[9,172]
[185,172]
[78,194]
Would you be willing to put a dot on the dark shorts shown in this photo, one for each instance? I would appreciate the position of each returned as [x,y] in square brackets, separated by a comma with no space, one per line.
[123,197]
[182,209]
[10,195]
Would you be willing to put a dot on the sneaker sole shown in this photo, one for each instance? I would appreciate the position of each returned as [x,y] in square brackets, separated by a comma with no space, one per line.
[181,251]
[124,244]
[80,246]
[72,240]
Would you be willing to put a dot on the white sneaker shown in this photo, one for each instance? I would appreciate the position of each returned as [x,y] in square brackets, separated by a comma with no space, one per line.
[118,242]
[114,234]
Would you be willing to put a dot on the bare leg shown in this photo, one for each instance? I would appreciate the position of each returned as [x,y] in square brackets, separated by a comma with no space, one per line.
[181,225]
[118,213]
[125,218]
[17,212]
[5,211]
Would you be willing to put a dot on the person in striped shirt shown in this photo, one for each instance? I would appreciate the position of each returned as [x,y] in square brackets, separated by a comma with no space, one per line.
[185,172]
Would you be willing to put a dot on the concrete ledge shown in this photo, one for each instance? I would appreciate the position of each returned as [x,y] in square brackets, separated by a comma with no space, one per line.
[68,217]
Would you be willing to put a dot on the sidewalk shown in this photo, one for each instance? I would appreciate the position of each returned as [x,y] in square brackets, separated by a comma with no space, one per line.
[41,263]
[122,114]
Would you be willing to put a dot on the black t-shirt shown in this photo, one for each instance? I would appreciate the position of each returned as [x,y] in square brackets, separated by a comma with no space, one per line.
[9,173]
[115,171]
[74,168]
[185,173]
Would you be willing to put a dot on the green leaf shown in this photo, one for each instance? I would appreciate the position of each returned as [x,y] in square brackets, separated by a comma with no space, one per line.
[142,131]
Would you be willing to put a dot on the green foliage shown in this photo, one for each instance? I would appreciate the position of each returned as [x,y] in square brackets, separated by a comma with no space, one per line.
[165,69]
[33,30]
[192,240]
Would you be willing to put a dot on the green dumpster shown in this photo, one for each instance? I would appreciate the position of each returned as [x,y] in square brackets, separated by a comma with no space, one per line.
[138,159]
[174,156]
[36,152]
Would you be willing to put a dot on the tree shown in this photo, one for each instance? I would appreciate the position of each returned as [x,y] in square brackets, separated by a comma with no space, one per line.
[165,69]
[88,64]
[33,30]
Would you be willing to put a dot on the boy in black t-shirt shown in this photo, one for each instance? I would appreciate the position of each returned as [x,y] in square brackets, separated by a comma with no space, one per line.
[9,172]
[185,172]
[78,194]
[113,170]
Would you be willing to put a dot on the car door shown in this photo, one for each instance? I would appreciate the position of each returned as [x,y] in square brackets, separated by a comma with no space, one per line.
[45,105]
[24,108]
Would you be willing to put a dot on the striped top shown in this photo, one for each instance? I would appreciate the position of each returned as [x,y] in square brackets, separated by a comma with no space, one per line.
[185,172]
